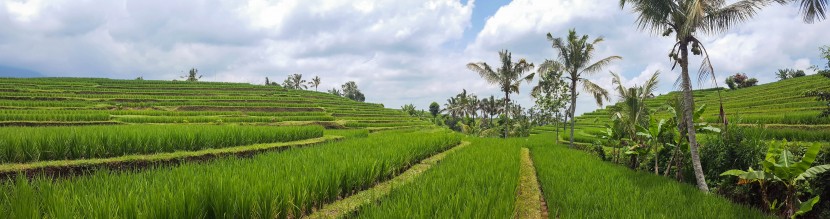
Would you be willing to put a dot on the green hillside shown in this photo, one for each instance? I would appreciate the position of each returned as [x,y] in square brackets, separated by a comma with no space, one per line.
[85,101]
[780,108]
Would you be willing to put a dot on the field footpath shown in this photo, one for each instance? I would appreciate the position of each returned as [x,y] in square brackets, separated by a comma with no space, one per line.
[352,203]
[68,168]
[529,201]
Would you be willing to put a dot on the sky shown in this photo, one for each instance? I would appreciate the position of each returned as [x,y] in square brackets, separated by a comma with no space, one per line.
[398,51]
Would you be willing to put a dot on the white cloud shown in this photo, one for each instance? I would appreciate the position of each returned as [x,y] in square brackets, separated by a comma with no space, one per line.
[398,51]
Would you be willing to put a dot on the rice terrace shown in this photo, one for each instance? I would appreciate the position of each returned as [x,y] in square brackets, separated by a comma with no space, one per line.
[415,109]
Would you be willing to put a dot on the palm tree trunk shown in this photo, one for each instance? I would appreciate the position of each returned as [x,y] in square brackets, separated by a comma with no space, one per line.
[688,111]
[573,109]
[506,112]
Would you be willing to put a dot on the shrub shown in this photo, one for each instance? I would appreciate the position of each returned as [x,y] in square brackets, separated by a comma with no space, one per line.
[825,73]
[737,148]
[740,80]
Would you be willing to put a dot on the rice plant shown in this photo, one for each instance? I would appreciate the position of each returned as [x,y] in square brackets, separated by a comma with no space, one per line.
[478,181]
[28,144]
[272,185]
[579,185]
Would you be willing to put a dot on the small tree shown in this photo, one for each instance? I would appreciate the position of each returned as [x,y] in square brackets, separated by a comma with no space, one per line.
[351,91]
[267,82]
[192,75]
[821,96]
[335,92]
[409,109]
[315,82]
[740,80]
[295,82]
[434,109]
[784,74]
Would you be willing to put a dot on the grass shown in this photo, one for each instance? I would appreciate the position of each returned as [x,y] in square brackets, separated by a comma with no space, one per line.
[579,185]
[350,204]
[158,157]
[478,181]
[272,185]
[30,144]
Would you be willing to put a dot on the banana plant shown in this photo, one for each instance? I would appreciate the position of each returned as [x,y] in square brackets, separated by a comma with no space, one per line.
[652,136]
[780,166]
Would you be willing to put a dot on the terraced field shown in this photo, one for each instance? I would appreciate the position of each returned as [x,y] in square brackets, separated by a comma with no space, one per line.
[780,109]
[74,101]
[101,148]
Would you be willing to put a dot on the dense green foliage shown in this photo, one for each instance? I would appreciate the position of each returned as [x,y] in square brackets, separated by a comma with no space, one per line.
[27,144]
[272,185]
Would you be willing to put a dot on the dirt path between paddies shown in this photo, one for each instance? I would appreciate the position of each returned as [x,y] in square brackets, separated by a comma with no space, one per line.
[350,204]
[529,201]
[71,168]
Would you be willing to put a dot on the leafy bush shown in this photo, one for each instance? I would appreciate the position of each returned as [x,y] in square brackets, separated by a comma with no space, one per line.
[784,74]
[740,80]
[822,96]
[737,148]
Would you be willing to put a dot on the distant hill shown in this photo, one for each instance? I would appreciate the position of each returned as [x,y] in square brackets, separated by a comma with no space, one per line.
[13,72]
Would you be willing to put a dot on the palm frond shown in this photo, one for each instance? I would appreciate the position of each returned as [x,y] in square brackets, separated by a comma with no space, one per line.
[615,80]
[599,65]
[651,84]
[595,90]
[485,72]
[724,18]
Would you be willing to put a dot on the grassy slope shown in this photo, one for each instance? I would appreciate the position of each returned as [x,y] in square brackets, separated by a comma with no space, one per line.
[94,99]
[781,105]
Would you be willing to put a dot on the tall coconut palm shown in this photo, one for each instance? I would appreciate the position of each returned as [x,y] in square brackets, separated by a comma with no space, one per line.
[685,19]
[574,58]
[508,77]
[315,82]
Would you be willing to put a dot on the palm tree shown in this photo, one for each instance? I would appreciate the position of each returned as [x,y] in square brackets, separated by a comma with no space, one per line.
[684,19]
[575,54]
[315,82]
[295,81]
[452,107]
[633,113]
[489,107]
[508,77]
